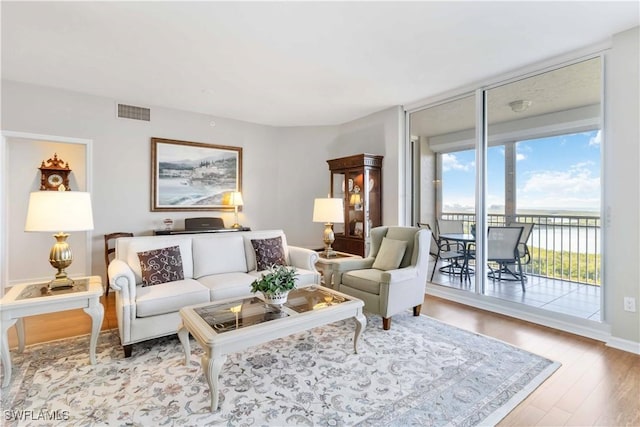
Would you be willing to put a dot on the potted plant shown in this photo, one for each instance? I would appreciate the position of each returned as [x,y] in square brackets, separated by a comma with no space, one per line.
[275,284]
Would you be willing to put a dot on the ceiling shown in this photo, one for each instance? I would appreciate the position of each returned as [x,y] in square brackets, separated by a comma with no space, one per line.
[570,87]
[290,63]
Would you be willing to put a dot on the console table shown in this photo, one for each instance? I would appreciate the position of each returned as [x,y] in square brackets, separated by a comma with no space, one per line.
[29,299]
[217,230]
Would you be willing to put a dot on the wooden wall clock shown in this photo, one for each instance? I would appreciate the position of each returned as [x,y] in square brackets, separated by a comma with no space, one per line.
[54,173]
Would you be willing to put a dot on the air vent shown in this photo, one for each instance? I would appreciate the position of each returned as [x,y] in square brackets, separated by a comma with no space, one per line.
[133,112]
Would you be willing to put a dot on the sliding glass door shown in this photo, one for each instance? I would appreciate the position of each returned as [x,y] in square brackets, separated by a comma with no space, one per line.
[540,170]
[447,183]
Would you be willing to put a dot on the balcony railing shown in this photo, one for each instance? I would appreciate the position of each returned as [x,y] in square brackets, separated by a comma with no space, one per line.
[562,247]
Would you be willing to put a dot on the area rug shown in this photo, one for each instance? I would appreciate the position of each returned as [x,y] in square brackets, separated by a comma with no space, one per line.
[421,372]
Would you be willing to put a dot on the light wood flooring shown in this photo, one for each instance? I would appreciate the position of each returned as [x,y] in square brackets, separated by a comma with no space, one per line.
[596,385]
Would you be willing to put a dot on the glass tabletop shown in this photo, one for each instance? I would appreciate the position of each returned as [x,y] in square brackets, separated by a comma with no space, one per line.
[39,290]
[246,312]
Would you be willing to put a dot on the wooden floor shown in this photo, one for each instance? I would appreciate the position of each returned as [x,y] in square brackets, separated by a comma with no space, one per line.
[596,385]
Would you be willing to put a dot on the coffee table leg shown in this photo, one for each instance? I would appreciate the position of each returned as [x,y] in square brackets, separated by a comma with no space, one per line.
[20,332]
[361,323]
[4,351]
[183,335]
[212,367]
[96,311]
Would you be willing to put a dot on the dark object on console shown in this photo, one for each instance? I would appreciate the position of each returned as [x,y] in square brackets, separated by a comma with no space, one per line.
[206,223]
[201,225]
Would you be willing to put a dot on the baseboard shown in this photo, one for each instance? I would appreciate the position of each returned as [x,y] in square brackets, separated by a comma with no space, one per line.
[624,345]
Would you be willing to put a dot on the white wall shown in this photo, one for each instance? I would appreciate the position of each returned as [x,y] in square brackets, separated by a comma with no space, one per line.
[380,133]
[284,169]
[622,187]
[29,252]
[121,159]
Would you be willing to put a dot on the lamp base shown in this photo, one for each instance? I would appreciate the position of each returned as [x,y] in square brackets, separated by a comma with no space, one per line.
[328,238]
[236,225]
[60,257]
[329,253]
[61,283]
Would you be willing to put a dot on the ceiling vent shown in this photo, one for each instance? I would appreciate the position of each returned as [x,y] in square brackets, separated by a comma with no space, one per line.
[133,112]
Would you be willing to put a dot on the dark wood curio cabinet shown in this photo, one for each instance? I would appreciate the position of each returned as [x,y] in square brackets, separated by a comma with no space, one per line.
[358,181]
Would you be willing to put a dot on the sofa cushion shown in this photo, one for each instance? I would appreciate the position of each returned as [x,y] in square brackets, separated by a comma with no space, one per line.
[390,254]
[141,244]
[227,285]
[269,252]
[161,266]
[169,297]
[364,280]
[222,254]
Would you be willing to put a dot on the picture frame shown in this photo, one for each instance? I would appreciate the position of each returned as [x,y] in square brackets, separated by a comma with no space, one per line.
[193,176]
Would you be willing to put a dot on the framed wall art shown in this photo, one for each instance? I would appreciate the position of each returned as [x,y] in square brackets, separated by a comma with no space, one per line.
[193,176]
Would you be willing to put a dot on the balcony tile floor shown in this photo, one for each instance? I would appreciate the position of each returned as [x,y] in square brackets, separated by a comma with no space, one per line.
[560,296]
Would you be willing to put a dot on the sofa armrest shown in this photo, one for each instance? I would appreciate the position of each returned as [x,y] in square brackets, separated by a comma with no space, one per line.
[122,279]
[303,258]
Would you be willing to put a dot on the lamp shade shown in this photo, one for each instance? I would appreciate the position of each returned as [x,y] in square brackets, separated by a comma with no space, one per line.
[328,210]
[59,211]
[233,198]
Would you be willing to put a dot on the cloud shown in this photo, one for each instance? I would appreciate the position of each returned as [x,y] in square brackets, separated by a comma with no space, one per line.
[520,156]
[595,140]
[575,188]
[451,162]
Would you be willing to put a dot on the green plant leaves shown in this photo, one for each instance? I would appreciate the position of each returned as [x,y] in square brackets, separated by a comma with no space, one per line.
[280,278]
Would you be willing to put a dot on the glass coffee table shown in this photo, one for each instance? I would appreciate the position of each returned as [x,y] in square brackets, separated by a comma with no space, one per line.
[233,325]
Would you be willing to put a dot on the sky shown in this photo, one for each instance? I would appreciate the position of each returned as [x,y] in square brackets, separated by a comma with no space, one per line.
[555,173]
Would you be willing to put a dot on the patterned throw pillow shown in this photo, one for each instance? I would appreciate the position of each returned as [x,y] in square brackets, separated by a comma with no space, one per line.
[268,252]
[161,266]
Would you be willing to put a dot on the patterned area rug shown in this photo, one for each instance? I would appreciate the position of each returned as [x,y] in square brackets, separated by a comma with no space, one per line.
[421,372]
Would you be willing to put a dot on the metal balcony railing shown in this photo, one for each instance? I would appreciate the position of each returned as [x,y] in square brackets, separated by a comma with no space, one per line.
[562,247]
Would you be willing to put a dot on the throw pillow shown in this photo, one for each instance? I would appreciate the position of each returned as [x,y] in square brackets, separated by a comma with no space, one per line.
[390,254]
[268,252]
[161,266]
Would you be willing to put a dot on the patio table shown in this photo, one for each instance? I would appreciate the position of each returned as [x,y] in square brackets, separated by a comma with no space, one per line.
[466,240]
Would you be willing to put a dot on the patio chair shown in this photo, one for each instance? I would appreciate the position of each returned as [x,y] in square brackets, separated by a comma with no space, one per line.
[523,249]
[433,246]
[508,270]
[502,249]
[450,252]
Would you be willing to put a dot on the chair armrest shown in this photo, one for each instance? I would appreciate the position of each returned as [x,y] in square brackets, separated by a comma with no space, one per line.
[349,264]
[400,275]
[352,264]
[122,279]
[303,258]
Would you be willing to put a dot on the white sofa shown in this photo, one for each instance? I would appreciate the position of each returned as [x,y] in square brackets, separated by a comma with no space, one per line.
[215,265]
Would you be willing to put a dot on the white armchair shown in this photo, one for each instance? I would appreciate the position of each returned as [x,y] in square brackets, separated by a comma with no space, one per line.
[391,279]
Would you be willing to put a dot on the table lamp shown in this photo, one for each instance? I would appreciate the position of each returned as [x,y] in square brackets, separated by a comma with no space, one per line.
[328,211]
[59,211]
[233,198]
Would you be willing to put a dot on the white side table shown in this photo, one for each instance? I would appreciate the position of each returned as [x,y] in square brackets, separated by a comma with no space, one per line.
[324,266]
[29,299]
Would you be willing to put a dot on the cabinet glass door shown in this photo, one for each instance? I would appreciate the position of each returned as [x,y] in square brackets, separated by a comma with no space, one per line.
[355,202]
[338,190]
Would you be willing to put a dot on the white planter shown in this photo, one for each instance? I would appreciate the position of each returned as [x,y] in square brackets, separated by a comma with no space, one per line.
[275,299]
